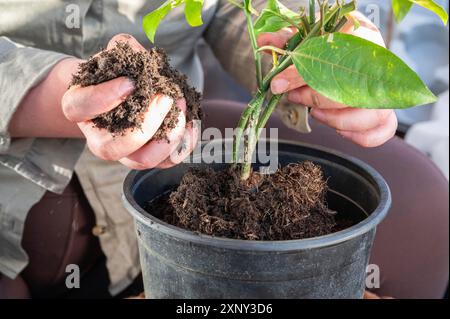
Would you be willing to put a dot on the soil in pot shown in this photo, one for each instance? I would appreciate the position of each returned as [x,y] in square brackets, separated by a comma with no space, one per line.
[151,73]
[290,204]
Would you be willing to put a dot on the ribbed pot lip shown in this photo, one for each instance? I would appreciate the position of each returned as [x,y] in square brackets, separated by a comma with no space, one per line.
[371,222]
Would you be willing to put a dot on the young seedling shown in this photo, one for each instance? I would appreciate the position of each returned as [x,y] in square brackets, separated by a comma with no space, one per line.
[342,67]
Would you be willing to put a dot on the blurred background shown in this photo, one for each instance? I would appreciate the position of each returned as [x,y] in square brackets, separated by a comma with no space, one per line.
[422,41]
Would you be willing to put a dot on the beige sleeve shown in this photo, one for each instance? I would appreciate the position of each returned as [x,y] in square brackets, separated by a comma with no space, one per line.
[48,163]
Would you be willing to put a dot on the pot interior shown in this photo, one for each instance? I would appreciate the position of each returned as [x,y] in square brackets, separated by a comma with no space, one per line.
[355,189]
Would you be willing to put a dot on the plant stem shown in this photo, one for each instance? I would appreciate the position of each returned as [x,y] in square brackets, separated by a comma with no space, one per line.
[236,4]
[252,121]
[339,25]
[256,128]
[284,64]
[347,8]
[296,41]
[273,102]
[259,97]
[312,11]
[273,49]
[251,140]
[322,17]
[252,105]
[305,23]
[274,59]
[243,121]
[256,54]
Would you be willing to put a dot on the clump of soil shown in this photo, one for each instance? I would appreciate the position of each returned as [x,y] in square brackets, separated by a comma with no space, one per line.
[289,204]
[151,73]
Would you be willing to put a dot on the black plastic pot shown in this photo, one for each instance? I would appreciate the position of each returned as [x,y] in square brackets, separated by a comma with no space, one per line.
[181,264]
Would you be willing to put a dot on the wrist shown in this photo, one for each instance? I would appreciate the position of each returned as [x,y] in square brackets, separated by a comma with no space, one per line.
[40,113]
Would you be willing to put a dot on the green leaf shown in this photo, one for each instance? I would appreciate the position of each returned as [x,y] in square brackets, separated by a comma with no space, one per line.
[401,9]
[193,12]
[358,73]
[271,18]
[152,20]
[347,8]
[433,7]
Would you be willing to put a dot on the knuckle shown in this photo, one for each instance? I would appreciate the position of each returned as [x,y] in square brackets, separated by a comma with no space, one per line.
[112,154]
[294,96]
[145,164]
[107,154]
[367,141]
[395,123]
[120,38]
[339,122]
[138,167]
[102,149]
[96,151]
[96,148]
[336,119]
[144,160]
[315,99]
[262,39]
[392,132]
[149,163]
[383,115]
[134,165]
[292,73]
[124,35]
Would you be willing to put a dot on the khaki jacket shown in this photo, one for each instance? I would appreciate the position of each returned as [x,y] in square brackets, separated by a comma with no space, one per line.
[36,34]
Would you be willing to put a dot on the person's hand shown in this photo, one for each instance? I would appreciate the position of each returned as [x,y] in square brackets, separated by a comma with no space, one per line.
[366,127]
[135,148]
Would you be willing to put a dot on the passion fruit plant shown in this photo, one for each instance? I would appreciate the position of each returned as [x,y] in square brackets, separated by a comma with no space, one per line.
[342,67]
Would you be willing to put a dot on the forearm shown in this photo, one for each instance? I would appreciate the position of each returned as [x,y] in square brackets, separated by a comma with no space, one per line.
[39,113]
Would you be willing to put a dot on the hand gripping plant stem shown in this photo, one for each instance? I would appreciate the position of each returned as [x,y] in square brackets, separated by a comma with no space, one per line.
[342,67]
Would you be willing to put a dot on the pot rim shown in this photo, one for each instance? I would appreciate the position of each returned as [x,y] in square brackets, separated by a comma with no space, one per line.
[354,231]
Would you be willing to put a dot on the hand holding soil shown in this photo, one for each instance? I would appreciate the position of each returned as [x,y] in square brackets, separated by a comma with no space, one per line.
[129,110]
[365,127]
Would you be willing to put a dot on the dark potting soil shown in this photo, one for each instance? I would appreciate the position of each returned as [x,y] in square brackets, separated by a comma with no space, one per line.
[151,73]
[289,204]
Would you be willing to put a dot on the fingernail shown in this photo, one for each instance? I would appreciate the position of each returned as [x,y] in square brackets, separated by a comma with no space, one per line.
[318,114]
[165,100]
[126,87]
[279,86]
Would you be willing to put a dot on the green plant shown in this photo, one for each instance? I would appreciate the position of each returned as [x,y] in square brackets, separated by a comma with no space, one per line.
[402,7]
[342,67]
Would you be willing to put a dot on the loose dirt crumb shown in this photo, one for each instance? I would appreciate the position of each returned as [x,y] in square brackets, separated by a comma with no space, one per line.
[289,204]
[151,73]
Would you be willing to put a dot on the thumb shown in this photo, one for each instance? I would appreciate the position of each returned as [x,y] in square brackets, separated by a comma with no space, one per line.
[85,103]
